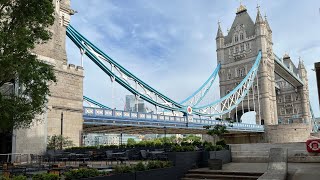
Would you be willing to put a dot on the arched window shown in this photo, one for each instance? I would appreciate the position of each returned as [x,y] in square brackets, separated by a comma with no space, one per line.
[241,36]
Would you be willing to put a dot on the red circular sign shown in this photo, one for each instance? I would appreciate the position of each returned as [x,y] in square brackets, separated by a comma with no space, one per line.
[313,145]
[189,110]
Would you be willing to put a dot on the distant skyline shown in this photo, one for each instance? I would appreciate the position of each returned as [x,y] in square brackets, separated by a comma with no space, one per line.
[171,44]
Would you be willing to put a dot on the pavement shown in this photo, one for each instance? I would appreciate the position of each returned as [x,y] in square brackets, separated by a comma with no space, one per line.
[296,171]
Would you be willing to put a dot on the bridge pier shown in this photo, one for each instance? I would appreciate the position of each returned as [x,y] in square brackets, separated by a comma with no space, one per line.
[66,95]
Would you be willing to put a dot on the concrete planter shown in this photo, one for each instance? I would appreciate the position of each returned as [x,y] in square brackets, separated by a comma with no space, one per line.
[215,164]
[154,174]
[125,176]
[184,161]
[158,174]
[224,155]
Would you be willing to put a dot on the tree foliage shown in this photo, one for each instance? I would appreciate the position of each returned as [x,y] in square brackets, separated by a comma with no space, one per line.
[23,24]
[55,142]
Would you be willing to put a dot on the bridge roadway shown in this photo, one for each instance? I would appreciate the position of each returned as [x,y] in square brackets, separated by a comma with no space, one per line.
[99,120]
[284,72]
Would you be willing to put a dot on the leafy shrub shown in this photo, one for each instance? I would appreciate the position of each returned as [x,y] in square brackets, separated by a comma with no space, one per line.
[221,143]
[158,164]
[122,169]
[139,167]
[21,177]
[210,147]
[81,173]
[45,176]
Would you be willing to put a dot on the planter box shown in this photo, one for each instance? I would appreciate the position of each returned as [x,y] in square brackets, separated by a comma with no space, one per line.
[158,174]
[126,176]
[185,159]
[224,155]
[154,174]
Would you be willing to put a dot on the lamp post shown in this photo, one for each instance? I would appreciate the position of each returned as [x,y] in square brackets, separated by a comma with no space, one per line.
[61,133]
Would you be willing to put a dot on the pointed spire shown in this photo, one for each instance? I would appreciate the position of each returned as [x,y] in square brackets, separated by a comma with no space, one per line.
[267,23]
[259,18]
[219,33]
[301,64]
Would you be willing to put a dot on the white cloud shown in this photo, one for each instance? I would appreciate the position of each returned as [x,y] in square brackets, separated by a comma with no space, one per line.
[171,44]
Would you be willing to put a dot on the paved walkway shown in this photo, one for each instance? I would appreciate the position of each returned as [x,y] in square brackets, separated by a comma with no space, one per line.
[296,171]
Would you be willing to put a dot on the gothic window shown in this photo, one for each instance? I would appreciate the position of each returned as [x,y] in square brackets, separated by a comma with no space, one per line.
[237,49]
[241,36]
[241,72]
[283,111]
[288,98]
[242,47]
[289,111]
[247,46]
[280,100]
[236,38]
[229,76]
[297,97]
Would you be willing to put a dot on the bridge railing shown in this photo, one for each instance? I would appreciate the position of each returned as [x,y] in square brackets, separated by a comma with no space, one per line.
[108,114]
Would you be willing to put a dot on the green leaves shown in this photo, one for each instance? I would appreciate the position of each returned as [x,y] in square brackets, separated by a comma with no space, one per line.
[24,23]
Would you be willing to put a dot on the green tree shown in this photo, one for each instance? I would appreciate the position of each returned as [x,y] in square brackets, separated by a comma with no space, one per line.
[131,142]
[23,25]
[216,131]
[55,142]
[192,138]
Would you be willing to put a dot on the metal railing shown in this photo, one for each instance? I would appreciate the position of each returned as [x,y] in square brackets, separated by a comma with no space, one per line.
[126,117]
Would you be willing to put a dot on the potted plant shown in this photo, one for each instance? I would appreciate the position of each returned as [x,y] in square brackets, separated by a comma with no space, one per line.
[216,131]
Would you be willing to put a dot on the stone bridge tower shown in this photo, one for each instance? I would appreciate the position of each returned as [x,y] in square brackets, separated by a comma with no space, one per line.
[284,107]
[237,52]
[66,94]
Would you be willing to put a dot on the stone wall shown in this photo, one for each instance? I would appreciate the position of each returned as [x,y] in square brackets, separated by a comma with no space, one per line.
[66,94]
[66,97]
[287,133]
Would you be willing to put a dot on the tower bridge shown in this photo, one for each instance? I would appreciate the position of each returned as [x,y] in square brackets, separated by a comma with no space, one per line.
[251,78]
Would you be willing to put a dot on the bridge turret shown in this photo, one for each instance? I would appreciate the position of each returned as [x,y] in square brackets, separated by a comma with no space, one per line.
[304,91]
[220,44]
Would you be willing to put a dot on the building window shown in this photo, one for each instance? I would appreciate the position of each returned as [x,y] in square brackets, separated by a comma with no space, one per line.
[230,51]
[241,36]
[236,38]
[297,97]
[247,46]
[242,47]
[289,111]
[283,111]
[241,72]
[288,98]
[237,49]
[229,76]
[280,100]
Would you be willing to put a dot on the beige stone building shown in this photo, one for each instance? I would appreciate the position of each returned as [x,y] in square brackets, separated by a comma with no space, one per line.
[277,102]
[66,95]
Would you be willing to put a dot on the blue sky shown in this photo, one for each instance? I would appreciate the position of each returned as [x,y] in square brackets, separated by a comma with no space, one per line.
[171,44]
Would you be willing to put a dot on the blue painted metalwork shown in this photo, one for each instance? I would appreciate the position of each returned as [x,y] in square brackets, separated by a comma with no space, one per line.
[83,43]
[198,92]
[248,79]
[99,116]
[95,102]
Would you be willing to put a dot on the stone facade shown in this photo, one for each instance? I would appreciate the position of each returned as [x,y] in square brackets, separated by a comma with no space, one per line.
[66,94]
[293,103]
[237,52]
